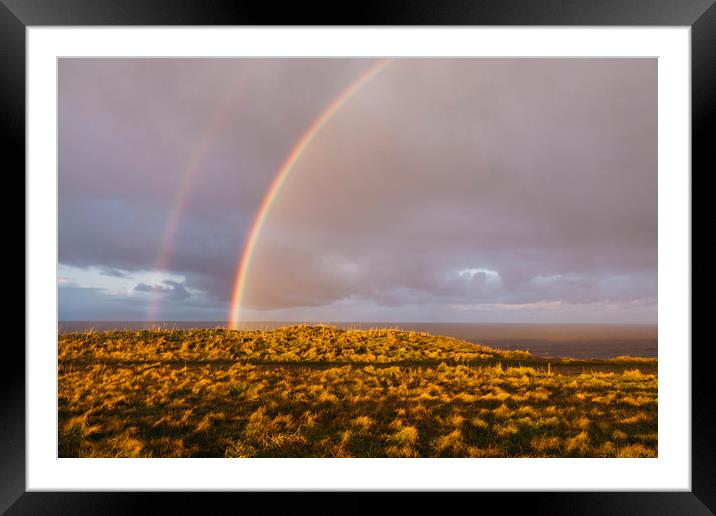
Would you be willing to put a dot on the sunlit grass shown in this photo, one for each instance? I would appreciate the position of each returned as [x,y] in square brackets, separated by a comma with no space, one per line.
[322,392]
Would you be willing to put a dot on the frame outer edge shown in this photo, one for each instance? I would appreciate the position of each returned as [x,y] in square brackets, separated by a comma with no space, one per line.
[703,112]
[367,12]
[12,119]
[12,379]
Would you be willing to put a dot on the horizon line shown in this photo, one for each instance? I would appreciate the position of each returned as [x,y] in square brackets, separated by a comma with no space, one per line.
[353,322]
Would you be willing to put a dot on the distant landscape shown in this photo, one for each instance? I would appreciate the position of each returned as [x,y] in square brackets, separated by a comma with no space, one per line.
[546,340]
[322,391]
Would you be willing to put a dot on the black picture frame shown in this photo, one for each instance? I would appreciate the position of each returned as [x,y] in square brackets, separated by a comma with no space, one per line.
[17,15]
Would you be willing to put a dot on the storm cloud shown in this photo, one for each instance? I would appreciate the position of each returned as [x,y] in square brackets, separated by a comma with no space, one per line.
[445,189]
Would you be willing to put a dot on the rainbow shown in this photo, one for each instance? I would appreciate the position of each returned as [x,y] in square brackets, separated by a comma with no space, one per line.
[308,136]
[178,206]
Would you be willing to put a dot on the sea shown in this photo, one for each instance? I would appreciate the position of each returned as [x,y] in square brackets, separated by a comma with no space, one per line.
[598,341]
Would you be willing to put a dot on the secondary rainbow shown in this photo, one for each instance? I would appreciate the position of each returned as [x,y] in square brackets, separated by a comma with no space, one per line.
[218,123]
[288,165]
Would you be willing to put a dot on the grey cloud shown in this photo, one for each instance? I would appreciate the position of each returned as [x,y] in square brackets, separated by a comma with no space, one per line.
[531,168]
[170,288]
[96,304]
[134,132]
[116,273]
[543,170]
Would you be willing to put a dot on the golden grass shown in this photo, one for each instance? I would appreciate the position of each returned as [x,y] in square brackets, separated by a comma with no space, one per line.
[313,392]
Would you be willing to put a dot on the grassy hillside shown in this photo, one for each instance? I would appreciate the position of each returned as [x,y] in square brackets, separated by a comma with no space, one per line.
[316,391]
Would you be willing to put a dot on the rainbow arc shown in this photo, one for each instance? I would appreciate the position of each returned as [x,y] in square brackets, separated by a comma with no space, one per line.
[289,164]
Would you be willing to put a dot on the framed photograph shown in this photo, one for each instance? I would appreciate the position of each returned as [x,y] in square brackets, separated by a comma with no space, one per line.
[413,248]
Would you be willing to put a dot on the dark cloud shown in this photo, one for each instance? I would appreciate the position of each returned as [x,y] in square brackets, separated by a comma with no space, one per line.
[130,129]
[97,304]
[170,288]
[116,273]
[540,171]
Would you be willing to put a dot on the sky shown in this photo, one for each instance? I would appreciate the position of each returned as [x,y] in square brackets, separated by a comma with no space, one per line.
[439,190]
